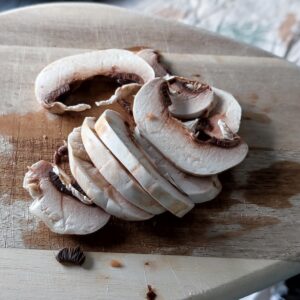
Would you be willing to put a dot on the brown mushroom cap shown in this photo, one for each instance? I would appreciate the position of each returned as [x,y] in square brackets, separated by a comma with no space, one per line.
[175,141]
[57,78]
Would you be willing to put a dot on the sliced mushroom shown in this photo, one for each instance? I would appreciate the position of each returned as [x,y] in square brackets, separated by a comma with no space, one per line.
[62,213]
[124,95]
[152,57]
[225,118]
[95,185]
[110,168]
[113,132]
[189,98]
[175,141]
[64,184]
[198,189]
[60,77]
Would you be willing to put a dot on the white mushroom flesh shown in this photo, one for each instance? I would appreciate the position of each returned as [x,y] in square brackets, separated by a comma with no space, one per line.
[60,212]
[174,140]
[152,57]
[57,79]
[113,132]
[189,99]
[115,173]
[198,189]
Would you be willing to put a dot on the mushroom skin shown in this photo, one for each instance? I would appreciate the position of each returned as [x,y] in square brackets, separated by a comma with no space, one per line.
[60,77]
[174,140]
[152,57]
[61,213]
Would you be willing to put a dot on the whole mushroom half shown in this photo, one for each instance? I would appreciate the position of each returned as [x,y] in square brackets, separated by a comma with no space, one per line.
[179,144]
[62,76]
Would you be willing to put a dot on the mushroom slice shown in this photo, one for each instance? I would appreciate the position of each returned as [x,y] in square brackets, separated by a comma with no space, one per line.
[198,189]
[124,95]
[113,132]
[190,99]
[134,196]
[95,185]
[59,78]
[175,141]
[62,213]
[64,184]
[225,118]
[152,57]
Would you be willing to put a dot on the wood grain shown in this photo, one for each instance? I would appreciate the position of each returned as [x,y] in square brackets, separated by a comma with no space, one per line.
[88,25]
[256,215]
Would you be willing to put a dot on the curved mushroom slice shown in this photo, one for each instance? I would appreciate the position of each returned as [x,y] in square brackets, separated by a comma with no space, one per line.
[152,57]
[60,77]
[124,95]
[113,132]
[190,99]
[198,189]
[225,117]
[116,175]
[95,185]
[64,184]
[175,141]
[60,212]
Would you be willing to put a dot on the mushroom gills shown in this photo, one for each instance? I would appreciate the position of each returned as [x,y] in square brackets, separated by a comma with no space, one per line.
[65,185]
[65,74]
[113,132]
[175,141]
[60,212]
[133,195]
[198,189]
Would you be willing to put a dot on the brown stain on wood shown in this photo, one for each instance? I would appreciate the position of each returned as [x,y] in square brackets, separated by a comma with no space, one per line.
[256,117]
[254,98]
[274,186]
[136,48]
[205,225]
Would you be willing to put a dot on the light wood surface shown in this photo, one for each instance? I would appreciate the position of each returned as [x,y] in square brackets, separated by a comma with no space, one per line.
[256,216]
[36,275]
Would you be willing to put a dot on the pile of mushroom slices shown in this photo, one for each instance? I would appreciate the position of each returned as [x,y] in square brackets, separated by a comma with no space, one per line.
[163,153]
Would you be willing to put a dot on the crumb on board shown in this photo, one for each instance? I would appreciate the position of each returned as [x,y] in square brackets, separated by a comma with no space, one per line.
[151,295]
[45,137]
[116,264]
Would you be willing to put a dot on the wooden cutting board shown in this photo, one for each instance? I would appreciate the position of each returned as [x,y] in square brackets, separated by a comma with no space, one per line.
[256,215]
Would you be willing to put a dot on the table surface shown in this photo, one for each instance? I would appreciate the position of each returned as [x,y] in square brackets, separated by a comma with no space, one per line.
[63,28]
